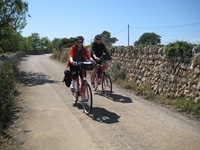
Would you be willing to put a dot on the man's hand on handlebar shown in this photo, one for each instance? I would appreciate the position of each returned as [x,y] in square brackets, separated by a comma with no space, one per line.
[98,59]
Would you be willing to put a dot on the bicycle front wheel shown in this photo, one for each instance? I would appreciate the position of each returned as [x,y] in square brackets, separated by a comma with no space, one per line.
[106,85]
[87,99]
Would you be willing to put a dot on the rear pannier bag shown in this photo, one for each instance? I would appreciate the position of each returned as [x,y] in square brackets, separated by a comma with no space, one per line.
[67,78]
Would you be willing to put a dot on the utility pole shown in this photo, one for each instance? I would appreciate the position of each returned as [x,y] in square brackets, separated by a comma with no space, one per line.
[128,34]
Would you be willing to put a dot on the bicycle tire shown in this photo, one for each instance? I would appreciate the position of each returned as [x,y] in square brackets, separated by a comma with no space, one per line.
[87,103]
[106,84]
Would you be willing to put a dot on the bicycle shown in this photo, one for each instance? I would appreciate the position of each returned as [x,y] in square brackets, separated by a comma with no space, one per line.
[103,78]
[83,89]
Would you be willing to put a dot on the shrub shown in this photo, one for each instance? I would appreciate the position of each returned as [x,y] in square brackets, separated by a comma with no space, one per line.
[180,49]
[7,89]
[64,56]
[187,105]
[117,71]
[145,91]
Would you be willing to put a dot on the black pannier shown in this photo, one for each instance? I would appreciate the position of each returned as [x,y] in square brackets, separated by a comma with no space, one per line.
[67,77]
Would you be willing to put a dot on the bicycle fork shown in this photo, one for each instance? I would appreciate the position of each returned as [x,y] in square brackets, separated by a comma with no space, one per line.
[83,87]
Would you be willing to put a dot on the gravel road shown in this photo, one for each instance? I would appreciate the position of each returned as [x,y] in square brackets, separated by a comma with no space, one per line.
[124,121]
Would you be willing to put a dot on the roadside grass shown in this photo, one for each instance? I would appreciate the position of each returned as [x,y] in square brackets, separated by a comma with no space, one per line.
[182,104]
[188,106]
[145,91]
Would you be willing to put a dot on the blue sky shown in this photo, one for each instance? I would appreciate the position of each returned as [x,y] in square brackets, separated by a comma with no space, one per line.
[171,19]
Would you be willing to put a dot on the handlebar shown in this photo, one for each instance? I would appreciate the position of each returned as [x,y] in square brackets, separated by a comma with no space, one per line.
[84,65]
[105,58]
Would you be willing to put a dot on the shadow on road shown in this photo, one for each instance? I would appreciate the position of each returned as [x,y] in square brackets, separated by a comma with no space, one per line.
[78,105]
[104,116]
[101,114]
[117,98]
[33,78]
[120,98]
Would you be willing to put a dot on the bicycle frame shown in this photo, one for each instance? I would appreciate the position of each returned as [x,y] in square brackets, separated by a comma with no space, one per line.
[83,90]
[79,88]
[103,79]
[97,75]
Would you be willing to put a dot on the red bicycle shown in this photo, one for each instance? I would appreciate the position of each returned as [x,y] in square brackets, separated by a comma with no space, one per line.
[83,90]
[102,78]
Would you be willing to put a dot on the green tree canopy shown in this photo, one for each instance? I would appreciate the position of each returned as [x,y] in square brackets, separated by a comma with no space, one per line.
[59,44]
[107,39]
[12,21]
[34,42]
[148,39]
[181,49]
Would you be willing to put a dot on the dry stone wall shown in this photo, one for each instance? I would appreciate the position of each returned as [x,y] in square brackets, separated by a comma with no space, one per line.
[14,58]
[149,66]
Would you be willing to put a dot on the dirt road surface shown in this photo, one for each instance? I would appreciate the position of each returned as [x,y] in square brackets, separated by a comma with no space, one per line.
[124,121]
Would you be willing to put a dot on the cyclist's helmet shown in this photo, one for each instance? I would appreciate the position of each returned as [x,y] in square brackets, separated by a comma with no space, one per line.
[98,36]
[79,39]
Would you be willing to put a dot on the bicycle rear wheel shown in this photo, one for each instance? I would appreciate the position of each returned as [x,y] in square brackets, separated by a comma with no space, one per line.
[106,85]
[87,99]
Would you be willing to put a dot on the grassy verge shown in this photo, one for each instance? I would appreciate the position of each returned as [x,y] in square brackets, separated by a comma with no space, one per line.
[182,104]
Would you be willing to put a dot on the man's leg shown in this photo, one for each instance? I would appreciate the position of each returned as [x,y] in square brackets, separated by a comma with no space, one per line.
[92,78]
[104,67]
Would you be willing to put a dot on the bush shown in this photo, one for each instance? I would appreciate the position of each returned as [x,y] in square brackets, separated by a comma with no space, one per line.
[117,71]
[180,49]
[188,106]
[145,91]
[56,54]
[64,56]
[7,89]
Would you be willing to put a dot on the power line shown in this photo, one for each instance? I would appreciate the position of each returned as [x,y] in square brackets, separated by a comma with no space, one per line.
[120,31]
[172,26]
[158,27]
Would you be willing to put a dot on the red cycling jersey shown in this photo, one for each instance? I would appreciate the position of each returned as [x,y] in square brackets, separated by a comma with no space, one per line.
[72,52]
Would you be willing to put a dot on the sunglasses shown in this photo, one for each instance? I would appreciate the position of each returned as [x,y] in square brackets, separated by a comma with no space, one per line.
[79,41]
[98,39]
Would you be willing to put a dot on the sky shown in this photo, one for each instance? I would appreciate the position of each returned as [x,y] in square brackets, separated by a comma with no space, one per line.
[126,20]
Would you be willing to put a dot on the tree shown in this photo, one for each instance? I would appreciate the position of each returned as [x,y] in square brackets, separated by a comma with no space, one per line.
[35,40]
[28,43]
[45,43]
[59,44]
[12,21]
[68,42]
[56,43]
[107,39]
[148,39]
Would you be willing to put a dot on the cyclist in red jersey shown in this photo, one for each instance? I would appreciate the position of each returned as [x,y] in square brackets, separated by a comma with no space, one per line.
[77,53]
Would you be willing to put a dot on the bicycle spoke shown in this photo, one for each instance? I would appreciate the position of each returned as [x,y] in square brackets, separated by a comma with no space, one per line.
[87,99]
[107,85]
